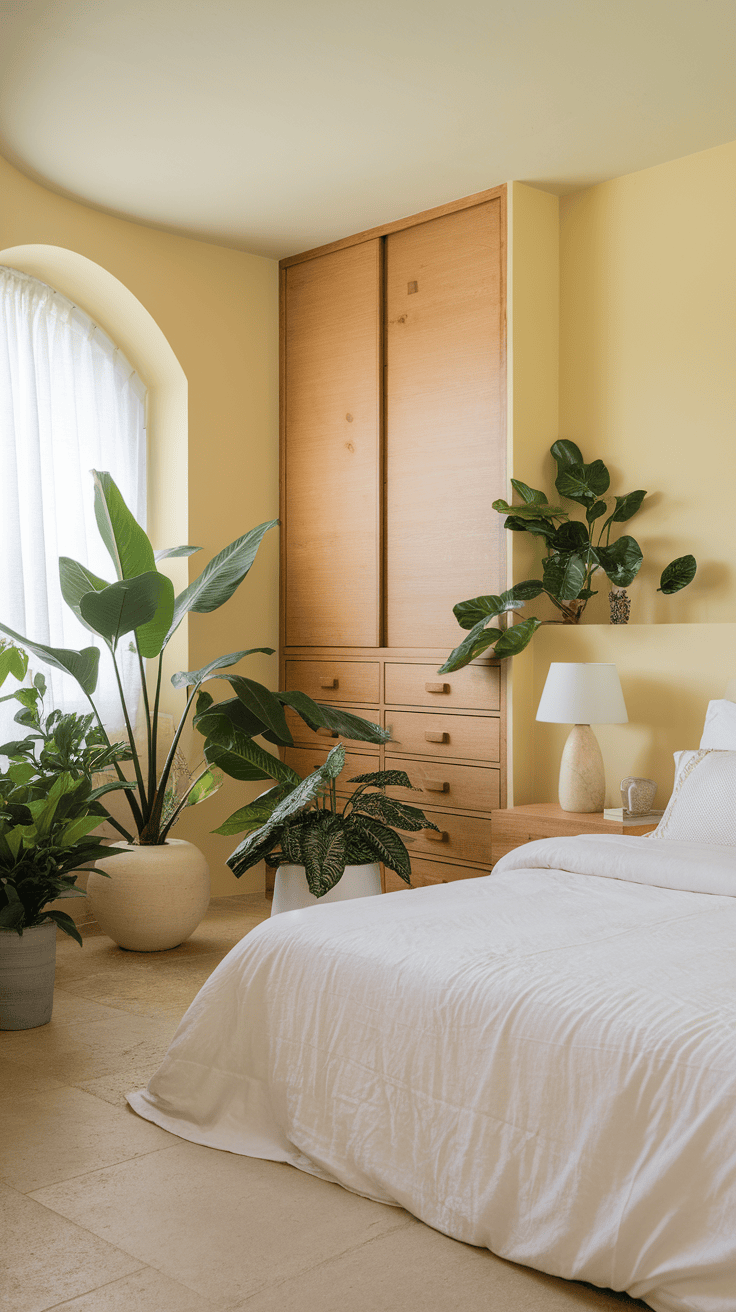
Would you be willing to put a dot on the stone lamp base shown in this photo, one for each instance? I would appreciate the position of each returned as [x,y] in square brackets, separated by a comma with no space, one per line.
[582,778]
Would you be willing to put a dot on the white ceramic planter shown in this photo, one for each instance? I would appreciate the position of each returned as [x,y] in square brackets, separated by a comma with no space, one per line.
[291,891]
[27,969]
[155,896]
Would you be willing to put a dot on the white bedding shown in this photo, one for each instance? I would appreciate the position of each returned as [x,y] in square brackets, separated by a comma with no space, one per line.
[541,1061]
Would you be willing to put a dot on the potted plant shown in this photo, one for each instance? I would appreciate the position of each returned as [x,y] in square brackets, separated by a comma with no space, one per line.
[574,552]
[322,851]
[161,887]
[48,810]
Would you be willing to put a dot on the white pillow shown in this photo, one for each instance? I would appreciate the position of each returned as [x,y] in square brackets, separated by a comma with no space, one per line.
[702,808]
[720,726]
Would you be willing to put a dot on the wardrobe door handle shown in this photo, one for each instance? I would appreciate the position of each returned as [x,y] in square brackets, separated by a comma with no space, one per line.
[431,836]
[327,733]
[328,683]
[436,786]
[436,687]
[433,736]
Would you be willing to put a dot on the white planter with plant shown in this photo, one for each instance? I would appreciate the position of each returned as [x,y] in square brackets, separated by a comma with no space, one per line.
[141,606]
[324,853]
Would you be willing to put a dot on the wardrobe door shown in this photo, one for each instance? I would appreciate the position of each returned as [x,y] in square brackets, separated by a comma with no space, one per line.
[330,466]
[445,444]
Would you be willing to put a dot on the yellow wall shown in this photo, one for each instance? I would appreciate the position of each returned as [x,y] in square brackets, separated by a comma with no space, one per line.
[647,382]
[218,310]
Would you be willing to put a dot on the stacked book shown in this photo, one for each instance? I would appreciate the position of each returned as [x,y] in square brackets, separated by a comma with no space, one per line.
[628,818]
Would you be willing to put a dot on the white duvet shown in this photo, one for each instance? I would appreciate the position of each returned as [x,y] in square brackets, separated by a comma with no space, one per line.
[541,1061]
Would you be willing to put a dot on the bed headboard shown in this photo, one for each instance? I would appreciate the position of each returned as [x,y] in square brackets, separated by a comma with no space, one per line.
[730,693]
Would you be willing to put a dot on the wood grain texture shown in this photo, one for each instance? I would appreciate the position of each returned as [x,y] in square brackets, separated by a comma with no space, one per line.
[525,824]
[468,737]
[442,784]
[445,429]
[462,837]
[330,459]
[474,688]
[335,680]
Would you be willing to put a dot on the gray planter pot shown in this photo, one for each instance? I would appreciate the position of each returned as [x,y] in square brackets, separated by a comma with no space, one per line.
[27,969]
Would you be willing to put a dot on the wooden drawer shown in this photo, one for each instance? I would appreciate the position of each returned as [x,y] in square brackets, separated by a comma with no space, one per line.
[463,837]
[305,759]
[468,787]
[475,738]
[335,681]
[304,736]
[474,688]
[428,872]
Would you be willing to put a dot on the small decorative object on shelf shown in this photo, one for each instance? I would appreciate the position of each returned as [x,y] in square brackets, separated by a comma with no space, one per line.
[574,552]
[619,602]
[637,795]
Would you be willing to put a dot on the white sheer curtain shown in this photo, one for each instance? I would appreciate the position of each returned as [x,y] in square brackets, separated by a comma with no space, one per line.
[69,402]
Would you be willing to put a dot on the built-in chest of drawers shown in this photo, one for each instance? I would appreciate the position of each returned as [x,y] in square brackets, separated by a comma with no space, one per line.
[447,734]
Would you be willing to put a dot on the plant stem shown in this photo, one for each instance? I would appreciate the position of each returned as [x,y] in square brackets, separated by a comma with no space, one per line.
[175,816]
[152,771]
[132,803]
[146,707]
[151,833]
[131,740]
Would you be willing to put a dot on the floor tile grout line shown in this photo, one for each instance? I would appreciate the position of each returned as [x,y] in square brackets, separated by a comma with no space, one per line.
[67,1302]
[110,1166]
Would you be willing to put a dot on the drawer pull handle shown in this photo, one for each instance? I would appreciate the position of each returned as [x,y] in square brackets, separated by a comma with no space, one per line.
[436,786]
[434,736]
[328,683]
[432,836]
[436,687]
[327,733]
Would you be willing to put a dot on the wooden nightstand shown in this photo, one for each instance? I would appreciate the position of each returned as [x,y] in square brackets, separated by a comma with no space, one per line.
[523,824]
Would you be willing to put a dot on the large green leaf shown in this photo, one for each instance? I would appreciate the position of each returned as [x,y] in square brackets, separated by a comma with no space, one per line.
[595,511]
[534,510]
[12,661]
[572,536]
[539,528]
[166,553]
[82,665]
[530,495]
[261,702]
[565,454]
[385,844]
[340,722]
[183,678]
[527,590]
[228,714]
[255,814]
[478,610]
[677,575]
[626,507]
[583,483]
[621,561]
[129,548]
[516,638]
[241,758]
[259,841]
[219,580]
[76,581]
[124,606]
[477,642]
[152,635]
[564,576]
[324,851]
[391,812]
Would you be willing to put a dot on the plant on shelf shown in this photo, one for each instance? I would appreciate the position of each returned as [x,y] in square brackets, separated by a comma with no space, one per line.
[302,824]
[141,603]
[575,550]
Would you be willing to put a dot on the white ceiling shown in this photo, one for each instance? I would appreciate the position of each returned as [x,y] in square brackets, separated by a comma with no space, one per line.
[278,125]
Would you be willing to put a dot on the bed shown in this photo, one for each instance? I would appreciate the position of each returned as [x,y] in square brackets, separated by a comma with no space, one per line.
[541,1061]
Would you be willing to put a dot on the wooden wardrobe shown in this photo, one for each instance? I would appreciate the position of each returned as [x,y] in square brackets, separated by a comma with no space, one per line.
[393,446]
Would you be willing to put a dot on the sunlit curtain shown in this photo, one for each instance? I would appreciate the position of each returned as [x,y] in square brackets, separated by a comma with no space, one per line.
[69,402]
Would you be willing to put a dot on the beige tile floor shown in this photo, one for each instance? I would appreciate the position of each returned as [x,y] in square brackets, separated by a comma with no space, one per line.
[101,1211]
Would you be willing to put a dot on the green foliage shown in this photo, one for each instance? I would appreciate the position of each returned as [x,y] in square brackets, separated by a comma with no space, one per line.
[141,601]
[300,823]
[574,552]
[48,806]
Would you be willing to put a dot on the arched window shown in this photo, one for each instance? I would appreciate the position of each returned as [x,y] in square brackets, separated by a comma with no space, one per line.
[69,402]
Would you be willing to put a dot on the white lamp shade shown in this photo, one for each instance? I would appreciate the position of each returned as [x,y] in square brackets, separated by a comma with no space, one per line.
[582,692]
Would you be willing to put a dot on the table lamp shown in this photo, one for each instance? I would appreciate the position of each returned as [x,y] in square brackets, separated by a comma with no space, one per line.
[582,693]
